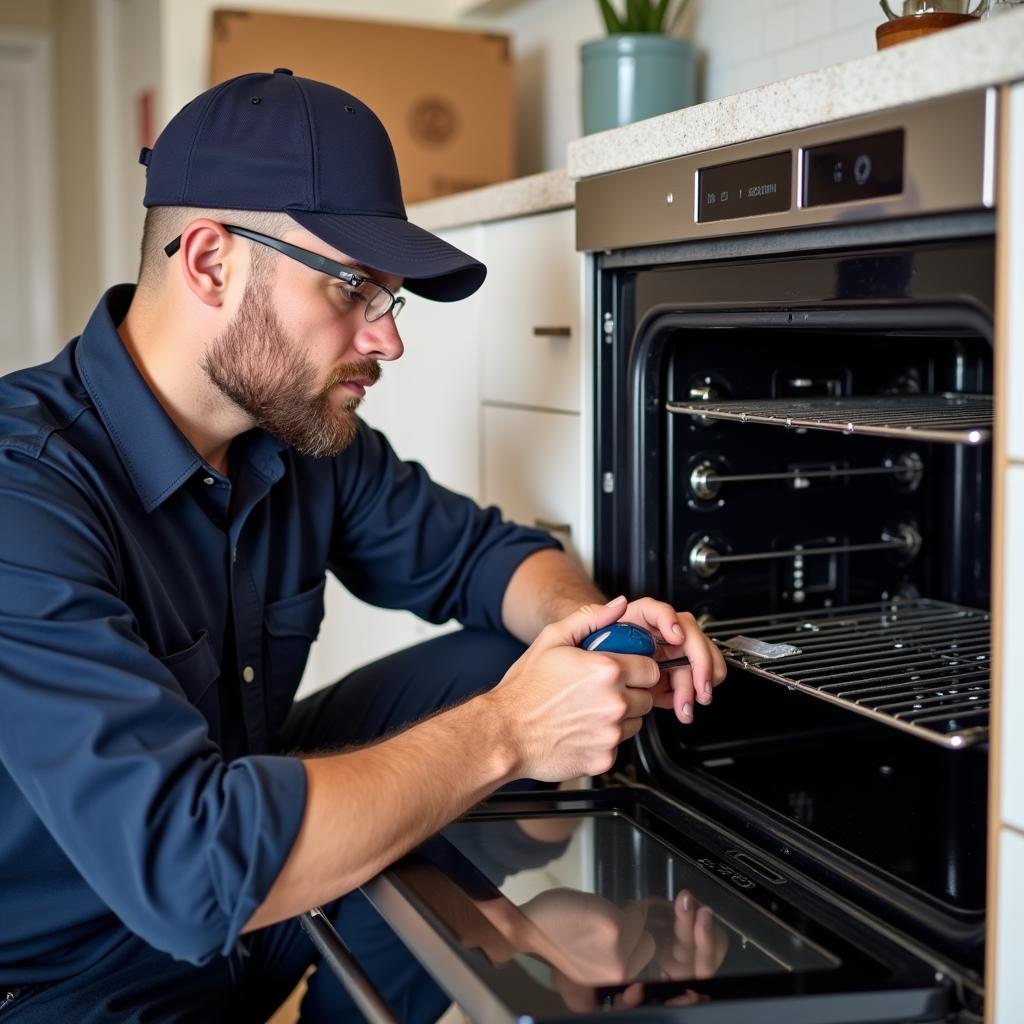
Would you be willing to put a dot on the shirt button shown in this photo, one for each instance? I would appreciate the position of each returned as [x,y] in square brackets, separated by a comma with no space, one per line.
[248,674]
[208,480]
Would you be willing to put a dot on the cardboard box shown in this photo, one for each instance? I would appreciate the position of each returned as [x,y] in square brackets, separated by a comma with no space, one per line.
[447,98]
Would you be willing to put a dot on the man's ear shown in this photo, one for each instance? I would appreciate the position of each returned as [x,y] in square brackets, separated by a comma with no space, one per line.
[206,260]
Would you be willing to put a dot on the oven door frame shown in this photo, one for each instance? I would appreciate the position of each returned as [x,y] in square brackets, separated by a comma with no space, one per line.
[877,979]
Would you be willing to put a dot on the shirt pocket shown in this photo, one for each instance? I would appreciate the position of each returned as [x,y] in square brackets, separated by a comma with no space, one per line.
[197,670]
[292,624]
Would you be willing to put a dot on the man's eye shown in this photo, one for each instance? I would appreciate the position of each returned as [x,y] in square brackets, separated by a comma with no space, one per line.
[353,293]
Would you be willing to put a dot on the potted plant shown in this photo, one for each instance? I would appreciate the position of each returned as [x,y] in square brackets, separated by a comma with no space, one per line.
[640,69]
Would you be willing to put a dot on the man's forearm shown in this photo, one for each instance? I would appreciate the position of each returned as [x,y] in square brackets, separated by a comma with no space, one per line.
[367,807]
[546,586]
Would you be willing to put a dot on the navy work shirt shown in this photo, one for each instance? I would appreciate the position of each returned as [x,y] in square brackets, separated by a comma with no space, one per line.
[138,586]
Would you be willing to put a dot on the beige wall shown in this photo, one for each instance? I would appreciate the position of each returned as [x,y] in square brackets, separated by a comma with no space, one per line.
[78,224]
[34,14]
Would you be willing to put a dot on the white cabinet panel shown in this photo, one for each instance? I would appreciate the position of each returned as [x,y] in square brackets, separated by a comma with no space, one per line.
[1012,717]
[1015,290]
[1009,994]
[428,404]
[530,329]
[532,468]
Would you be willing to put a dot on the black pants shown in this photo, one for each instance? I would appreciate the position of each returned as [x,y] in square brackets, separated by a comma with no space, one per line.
[136,983]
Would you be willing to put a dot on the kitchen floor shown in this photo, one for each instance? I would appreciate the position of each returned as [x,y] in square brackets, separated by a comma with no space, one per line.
[288,1013]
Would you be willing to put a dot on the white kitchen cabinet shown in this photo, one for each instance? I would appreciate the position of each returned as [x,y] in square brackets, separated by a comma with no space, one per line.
[1009,994]
[436,406]
[531,469]
[530,310]
[427,403]
[1012,717]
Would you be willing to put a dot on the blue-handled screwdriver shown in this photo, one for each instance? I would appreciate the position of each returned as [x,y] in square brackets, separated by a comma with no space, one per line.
[625,638]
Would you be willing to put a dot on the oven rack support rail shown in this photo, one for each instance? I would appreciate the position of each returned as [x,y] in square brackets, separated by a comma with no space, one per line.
[922,666]
[946,417]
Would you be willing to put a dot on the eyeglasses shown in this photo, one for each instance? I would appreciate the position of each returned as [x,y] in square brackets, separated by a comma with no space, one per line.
[377,299]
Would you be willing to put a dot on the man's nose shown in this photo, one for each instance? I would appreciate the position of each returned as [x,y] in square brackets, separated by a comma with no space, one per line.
[380,339]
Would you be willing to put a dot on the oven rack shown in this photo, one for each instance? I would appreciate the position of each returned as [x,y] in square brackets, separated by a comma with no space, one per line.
[945,417]
[919,665]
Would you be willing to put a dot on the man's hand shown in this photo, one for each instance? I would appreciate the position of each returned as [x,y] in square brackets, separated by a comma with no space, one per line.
[679,687]
[566,710]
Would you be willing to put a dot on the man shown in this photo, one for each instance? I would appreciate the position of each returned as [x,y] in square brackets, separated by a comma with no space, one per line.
[173,486]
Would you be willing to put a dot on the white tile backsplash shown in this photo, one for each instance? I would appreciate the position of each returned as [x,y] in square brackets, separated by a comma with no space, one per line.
[778,27]
[813,20]
[784,38]
[848,13]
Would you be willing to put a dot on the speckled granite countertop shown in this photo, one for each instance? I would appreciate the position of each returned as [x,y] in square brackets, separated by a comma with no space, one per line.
[956,60]
[551,190]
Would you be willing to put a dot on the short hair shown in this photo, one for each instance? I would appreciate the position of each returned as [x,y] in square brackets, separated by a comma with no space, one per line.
[165,223]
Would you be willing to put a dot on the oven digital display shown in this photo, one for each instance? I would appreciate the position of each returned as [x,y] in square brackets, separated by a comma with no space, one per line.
[744,188]
[862,168]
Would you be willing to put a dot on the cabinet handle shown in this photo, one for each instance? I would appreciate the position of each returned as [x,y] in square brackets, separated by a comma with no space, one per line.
[347,971]
[547,524]
[552,332]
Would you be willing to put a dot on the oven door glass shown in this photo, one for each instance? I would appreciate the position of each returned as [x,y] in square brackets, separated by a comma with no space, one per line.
[559,906]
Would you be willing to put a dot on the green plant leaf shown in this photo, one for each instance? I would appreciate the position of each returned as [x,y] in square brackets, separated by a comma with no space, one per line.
[636,15]
[611,19]
[657,17]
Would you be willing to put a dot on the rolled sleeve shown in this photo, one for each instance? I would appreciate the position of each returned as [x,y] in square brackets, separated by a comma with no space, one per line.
[403,541]
[104,744]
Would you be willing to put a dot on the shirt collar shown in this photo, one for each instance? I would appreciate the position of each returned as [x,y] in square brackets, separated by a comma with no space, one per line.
[156,455]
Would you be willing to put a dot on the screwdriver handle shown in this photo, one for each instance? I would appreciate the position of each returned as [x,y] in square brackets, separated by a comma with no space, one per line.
[625,638]
[621,638]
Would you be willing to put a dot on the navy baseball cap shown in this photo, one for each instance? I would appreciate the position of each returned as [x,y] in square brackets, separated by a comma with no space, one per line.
[292,145]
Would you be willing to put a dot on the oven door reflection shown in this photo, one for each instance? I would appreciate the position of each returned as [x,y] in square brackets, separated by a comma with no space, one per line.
[597,911]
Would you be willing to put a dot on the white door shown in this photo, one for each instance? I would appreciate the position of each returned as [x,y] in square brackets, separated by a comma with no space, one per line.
[28,282]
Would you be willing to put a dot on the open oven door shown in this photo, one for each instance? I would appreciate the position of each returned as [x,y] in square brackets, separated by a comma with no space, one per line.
[570,905]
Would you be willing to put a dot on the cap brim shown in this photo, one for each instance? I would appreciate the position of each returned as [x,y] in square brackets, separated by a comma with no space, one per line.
[430,266]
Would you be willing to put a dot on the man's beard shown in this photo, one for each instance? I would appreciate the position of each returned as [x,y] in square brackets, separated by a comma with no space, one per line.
[256,364]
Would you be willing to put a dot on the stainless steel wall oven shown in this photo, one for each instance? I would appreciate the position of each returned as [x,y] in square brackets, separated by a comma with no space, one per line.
[793,379]
[793,441]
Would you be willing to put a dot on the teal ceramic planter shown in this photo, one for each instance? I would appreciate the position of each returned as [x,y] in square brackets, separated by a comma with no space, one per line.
[627,77]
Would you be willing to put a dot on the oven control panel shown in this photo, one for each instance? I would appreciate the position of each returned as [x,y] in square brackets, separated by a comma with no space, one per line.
[842,171]
[929,158]
[849,169]
[742,188]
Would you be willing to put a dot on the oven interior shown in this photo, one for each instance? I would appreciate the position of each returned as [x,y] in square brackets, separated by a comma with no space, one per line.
[869,555]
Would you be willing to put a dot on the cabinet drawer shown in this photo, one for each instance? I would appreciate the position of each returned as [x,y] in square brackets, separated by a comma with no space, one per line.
[532,469]
[530,312]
